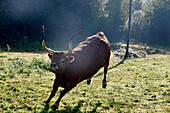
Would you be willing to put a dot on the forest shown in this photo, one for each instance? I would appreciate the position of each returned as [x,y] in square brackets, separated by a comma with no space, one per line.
[21,21]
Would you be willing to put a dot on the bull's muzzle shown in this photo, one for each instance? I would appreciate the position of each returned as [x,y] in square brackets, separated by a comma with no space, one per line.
[54,66]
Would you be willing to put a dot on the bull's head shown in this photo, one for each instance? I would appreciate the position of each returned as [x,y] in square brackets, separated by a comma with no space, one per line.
[59,59]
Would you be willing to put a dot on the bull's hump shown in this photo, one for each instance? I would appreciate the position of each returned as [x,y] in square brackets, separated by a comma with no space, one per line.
[101,34]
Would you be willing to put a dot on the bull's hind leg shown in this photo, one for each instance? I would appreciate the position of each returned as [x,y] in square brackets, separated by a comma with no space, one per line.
[88,81]
[104,80]
[105,69]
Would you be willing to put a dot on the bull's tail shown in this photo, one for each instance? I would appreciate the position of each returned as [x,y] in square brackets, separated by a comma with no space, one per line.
[111,57]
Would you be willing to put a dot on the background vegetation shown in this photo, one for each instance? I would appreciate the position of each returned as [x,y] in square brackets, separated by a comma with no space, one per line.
[21,20]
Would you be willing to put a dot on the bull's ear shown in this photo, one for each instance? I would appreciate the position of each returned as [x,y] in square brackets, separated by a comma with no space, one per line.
[50,56]
[69,59]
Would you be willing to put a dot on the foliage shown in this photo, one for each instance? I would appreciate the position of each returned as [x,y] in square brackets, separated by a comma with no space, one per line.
[158,25]
[0,49]
[138,24]
[139,85]
[150,23]
[138,4]
[8,47]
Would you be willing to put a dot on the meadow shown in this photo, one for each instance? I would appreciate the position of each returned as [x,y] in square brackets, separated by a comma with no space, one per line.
[138,85]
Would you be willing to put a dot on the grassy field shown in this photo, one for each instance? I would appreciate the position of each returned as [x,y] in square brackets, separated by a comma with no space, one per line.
[139,85]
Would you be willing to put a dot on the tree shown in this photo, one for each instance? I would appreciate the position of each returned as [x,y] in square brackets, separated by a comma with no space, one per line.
[114,19]
[137,4]
[137,19]
[137,25]
[157,16]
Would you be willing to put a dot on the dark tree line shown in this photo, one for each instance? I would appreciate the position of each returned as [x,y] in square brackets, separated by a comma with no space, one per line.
[21,20]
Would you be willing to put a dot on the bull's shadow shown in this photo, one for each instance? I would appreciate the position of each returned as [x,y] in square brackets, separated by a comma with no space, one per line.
[69,109]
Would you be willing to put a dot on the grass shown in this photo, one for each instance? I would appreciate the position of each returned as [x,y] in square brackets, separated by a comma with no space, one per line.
[139,85]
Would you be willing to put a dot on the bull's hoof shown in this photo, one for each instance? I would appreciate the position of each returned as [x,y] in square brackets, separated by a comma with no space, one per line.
[47,105]
[47,102]
[55,106]
[88,82]
[104,85]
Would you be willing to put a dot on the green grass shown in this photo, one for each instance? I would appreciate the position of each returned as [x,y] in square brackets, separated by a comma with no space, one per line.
[139,85]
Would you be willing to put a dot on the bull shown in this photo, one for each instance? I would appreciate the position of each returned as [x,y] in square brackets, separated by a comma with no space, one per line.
[82,63]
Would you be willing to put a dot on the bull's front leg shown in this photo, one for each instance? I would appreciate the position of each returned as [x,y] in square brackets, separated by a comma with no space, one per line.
[88,81]
[55,88]
[55,106]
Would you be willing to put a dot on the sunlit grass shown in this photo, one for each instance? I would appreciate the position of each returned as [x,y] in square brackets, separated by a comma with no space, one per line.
[139,85]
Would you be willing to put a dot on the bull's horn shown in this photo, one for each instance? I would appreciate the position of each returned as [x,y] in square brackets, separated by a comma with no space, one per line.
[70,43]
[70,49]
[48,50]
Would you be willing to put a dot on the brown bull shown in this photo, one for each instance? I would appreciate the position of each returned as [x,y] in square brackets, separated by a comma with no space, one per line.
[79,64]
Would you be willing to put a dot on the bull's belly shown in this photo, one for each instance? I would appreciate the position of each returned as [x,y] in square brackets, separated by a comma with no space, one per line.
[73,79]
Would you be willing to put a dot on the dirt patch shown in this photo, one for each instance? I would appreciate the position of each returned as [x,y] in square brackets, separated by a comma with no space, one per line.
[136,51]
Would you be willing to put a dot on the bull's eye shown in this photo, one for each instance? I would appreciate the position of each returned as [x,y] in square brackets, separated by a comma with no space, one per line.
[62,61]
